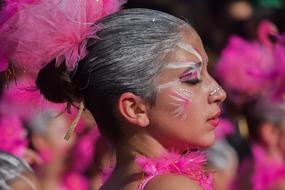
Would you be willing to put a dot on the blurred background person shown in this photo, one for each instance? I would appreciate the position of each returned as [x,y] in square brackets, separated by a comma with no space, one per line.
[250,71]
[46,131]
[264,168]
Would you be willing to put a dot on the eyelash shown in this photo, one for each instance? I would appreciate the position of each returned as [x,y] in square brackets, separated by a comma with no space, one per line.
[193,81]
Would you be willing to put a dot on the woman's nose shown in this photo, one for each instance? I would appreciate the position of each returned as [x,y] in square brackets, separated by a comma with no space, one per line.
[217,94]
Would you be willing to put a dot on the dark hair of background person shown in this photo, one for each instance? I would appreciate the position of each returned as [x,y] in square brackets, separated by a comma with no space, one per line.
[260,112]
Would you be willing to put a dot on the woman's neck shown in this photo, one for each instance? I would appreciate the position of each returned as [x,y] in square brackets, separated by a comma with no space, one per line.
[53,169]
[138,144]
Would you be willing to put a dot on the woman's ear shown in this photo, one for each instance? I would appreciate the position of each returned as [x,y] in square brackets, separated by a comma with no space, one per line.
[133,109]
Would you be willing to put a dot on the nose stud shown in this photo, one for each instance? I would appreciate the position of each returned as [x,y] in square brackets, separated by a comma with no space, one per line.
[216,90]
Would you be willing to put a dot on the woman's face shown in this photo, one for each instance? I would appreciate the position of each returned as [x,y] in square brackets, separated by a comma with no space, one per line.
[51,145]
[186,111]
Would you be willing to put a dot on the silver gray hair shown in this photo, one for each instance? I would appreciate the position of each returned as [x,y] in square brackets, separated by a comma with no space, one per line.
[11,169]
[128,56]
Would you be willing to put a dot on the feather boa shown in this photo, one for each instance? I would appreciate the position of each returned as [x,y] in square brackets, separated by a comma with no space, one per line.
[190,165]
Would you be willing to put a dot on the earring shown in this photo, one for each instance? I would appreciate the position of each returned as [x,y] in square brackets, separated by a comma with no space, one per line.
[216,90]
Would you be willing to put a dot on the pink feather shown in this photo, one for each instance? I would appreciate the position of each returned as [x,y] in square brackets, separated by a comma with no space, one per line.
[12,135]
[11,7]
[74,180]
[190,165]
[53,29]
[268,171]
[85,147]
[258,66]
[266,28]
[22,98]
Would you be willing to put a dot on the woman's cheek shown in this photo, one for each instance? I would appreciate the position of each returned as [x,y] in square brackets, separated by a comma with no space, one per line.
[180,103]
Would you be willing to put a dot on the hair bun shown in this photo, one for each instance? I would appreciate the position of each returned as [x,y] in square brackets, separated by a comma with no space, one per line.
[55,84]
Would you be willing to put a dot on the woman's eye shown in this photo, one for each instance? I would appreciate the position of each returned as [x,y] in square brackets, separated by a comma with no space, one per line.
[193,81]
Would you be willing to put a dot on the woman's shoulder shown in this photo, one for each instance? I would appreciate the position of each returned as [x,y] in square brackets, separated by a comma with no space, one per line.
[172,182]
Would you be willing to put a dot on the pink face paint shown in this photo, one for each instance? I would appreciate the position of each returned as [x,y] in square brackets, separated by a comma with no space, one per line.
[191,74]
[194,71]
[181,104]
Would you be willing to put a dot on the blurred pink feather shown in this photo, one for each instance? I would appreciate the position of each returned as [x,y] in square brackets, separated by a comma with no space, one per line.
[252,69]
[268,171]
[73,180]
[280,59]
[246,67]
[85,147]
[12,135]
[225,128]
[22,98]
[265,29]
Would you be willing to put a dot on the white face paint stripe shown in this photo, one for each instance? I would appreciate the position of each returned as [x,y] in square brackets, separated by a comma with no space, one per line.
[168,84]
[181,104]
[180,65]
[190,49]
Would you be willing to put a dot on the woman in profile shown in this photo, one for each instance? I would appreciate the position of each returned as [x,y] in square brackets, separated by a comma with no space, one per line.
[145,81]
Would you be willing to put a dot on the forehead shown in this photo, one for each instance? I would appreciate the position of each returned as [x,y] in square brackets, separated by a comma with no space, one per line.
[182,55]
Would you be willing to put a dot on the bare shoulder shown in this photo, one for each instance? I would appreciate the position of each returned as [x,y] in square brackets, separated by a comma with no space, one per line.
[172,182]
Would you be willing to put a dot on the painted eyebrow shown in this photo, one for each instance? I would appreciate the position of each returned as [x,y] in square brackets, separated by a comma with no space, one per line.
[196,66]
[179,65]
[189,48]
[186,64]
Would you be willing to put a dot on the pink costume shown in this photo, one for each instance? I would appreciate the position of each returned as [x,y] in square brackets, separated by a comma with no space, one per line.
[190,165]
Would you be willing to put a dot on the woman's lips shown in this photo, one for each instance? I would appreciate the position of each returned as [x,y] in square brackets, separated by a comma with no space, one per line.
[214,121]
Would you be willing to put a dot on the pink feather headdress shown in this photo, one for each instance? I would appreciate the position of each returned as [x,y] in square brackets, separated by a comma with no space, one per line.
[10,8]
[51,29]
